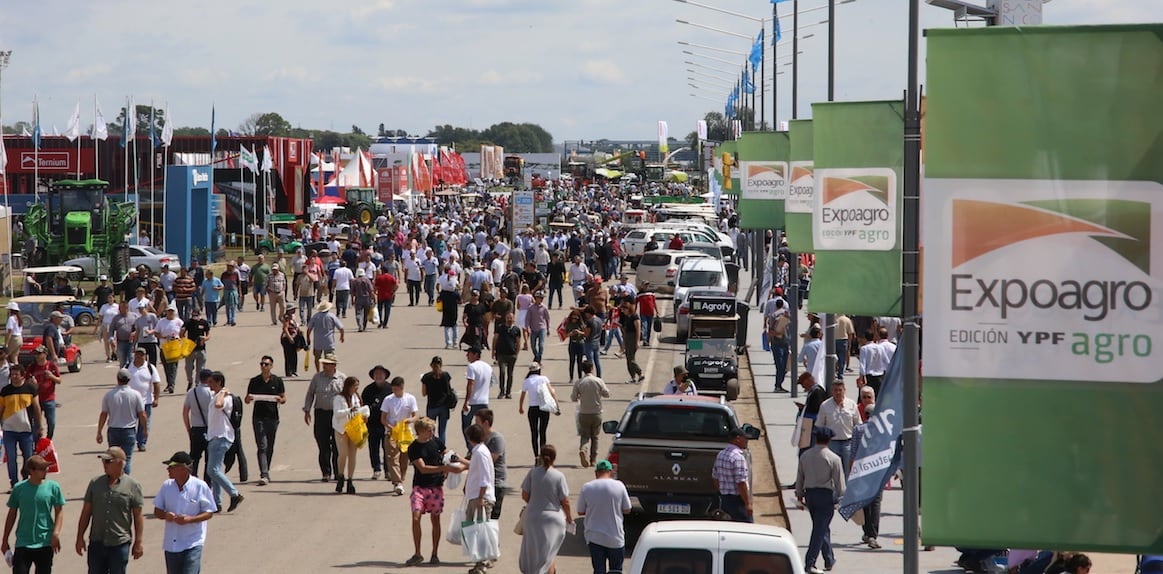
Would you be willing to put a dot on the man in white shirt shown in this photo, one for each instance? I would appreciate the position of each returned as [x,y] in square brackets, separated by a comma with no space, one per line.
[604,502]
[221,435]
[479,376]
[398,407]
[185,503]
[872,362]
[479,489]
[498,269]
[144,378]
[841,415]
[413,275]
[341,283]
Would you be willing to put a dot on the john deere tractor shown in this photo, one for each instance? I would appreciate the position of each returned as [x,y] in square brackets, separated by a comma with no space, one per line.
[76,219]
[361,205]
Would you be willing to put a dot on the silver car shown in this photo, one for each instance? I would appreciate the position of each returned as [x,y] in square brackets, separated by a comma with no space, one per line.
[151,257]
[695,275]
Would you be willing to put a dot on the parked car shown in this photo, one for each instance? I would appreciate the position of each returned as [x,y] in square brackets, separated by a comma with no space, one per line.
[703,274]
[634,244]
[151,257]
[664,449]
[724,241]
[715,547]
[660,267]
[34,315]
[710,249]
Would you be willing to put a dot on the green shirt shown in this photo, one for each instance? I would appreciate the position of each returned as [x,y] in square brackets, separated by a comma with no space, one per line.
[113,509]
[35,504]
[258,274]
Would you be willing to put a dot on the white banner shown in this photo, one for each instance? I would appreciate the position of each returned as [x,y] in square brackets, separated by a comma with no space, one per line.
[766,180]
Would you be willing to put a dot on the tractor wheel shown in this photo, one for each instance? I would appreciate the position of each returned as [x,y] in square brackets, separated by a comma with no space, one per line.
[365,216]
[119,264]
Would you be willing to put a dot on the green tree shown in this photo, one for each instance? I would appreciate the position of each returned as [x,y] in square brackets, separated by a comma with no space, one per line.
[191,131]
[718,130]
[142,115]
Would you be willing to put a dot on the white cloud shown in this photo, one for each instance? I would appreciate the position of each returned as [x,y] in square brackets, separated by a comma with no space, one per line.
[602,72]
[86,73]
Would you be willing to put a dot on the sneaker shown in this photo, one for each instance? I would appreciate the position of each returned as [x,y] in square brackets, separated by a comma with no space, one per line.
[873,544]
[864,539]
[585,460]
[415,560]
[434,561]
[263,481]
[779,390]
[398,489]
[326,478]
[234,502]
[376,475]
[829,567]
[141,448]
[814,570]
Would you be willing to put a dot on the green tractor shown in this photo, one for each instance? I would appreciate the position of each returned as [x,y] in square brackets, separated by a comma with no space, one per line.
[76,219]
[362,206]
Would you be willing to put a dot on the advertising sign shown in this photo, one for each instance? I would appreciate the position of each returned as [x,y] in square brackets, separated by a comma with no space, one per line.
[763,180]
[1042,278]
[762,177]
[524,209]
[55,161]
[857,209]
[801,188]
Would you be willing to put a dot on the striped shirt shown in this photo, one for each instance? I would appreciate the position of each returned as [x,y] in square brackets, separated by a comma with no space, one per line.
[730,469]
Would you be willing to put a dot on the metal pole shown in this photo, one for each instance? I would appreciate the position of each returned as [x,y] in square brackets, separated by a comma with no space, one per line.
[763,75]
[774,70]
[4,56]
[793,292]
[828,320]
[909,281]
[795,60]
[831,50]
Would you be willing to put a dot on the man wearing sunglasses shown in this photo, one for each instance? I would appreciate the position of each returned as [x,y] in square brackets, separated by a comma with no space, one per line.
[268,389]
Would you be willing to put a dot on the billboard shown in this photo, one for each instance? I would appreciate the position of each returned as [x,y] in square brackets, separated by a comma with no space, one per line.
[763,179]
[801,189]
[1042,384]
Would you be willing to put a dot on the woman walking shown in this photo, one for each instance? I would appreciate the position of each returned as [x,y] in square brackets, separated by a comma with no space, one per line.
[437,386]
[449,323]
[575,330]
[547,513]
[291,338]
[537,386]
[524,302]
[345,405]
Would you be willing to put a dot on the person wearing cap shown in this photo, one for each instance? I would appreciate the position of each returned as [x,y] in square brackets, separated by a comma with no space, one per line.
[37,503]
[169,328]
[194,409]
[542,402]
[270,392]
[398,408]
[274,289]
[145,331]
[812,348]
[46,375]
[185,503]
[102,289]
[373,396]
[112,515]
[14,330]
[212,288]
[21,417]
[105,314]
[362,297]
[197,330]
[123,409]
[604,502]
[321,328]
[319,400]
[220,434]
[732,478]
[681,384]
[819,486]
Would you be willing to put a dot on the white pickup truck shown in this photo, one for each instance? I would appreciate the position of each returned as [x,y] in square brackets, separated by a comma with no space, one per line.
[714,547]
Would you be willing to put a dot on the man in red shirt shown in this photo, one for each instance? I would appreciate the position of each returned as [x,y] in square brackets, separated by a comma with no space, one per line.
[386,286]
[647,309]
[47,375]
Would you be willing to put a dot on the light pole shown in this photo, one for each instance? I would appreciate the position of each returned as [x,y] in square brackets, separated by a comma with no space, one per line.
[5,57]
[737,35]
[762,53]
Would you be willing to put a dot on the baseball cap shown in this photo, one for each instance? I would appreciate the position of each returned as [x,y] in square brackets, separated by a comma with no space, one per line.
[534,366]
[180,457]
[274,266]
[736,433]
[57,315]
[603,465]
[103,278]
[41,349]
[141,350]
[114,453]
[329,358]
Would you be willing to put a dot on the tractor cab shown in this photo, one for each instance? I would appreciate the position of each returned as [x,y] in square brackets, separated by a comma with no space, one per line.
[76,212]
[362,205]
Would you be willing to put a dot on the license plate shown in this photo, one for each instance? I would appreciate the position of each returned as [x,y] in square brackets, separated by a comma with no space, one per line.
[674,508]
[710,371]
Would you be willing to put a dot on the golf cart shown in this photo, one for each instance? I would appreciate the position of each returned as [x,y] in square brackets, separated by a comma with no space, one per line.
[35,311]
[712,348]
[280,236]
[38,280]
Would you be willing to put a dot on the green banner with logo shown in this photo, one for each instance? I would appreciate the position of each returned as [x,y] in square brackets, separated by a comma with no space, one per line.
[1042,213]
[858,150]
[732,149]
[801,187]
[763,179]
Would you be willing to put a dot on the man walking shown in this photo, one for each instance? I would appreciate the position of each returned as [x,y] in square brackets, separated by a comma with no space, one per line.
[588,393]
[373,396]
[322,328]
[144,378]
[604,502]
[221,435]
[841,415]
[819,484]
[398,408]
[506,345]
[185,504]
[197,330]
[777,322]
[537,324]
[258,281]
[730,474]
[37,503]
[194,410]
[386,286]
[319,400]
[275,288]
[478,377]
[124,410]
[362,296]
[495,442]
[112,514]
[268,390]
[630,337]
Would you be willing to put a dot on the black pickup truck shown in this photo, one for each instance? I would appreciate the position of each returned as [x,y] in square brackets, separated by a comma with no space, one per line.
[664,449]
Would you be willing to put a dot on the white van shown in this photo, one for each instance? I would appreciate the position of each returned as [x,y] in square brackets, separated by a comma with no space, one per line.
[714,547]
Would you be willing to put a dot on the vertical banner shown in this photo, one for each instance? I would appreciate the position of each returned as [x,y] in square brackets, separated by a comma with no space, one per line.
[729,174]
[1043,265]
[763,179]
[801,188]
[663,138]
[856,224]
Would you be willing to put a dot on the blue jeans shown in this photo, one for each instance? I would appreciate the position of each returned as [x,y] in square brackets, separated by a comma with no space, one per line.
[612,334]
[124,352]
[590,350]
[216,459]
[647,328]
[184,306]
[212,312]
[537,343]
[820,502]
[451,335]
[440,415]
[126,438]
[841,357]
[430,288]
[843,449]
[50,416]
[466,419]
[26,442]
[601,555]
[142,432]
[779,352]
[188,561]
[341,299]
[231,304]
[108,559]
[306,307]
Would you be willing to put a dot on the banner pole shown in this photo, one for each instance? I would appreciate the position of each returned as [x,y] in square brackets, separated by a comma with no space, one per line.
[909,282]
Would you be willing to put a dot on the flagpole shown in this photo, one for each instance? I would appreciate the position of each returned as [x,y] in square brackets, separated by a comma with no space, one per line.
[152,171]
[96,145]
[125,153]
[36,131]
[165,176]
[242,194]
[4,58]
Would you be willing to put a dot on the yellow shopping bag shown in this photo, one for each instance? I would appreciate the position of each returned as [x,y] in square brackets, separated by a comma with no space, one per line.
[174,350]
[356,430]
[402,434]
[306,359]
[439,306]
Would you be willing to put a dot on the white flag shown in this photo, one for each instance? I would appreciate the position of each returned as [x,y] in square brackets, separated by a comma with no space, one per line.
[56,132]
[3,157]
[247,158]
[663,131]
[701,127]
[130,126]
[24,131]
[73,131]
[267,160]
[168,129]
[100,129]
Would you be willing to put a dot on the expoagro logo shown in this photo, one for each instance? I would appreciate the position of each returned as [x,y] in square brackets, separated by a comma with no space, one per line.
[764,180]
[984,227]
[802,187]
[857,209]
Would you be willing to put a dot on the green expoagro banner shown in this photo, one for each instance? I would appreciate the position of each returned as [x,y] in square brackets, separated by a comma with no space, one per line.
[1042,213]
[856,226]
[801,189]
[763,179]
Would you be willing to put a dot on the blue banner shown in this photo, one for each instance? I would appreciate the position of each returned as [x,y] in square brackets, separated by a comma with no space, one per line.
[877,454]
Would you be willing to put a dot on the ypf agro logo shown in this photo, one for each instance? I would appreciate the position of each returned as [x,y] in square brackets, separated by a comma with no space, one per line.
[802,188]
[857,209]
[764,180]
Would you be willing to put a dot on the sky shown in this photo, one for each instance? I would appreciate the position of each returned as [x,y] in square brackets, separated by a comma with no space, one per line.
[582,69]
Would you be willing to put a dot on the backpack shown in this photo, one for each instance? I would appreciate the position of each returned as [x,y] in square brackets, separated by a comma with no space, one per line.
[778,328]
[236,412]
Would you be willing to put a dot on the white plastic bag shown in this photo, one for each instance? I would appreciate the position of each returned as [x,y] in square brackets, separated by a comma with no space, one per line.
[452,480]
[548,403]
[454,535]
[482,538]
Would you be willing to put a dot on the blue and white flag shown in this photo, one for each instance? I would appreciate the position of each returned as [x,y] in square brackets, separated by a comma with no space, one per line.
[748,84]
[755,58]
[878,453]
